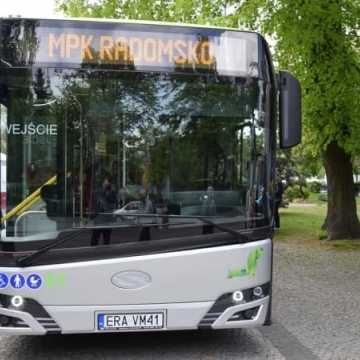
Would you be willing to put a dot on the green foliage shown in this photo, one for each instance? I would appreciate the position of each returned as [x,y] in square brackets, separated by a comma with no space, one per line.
[315,187]
[160,10]
[318,42]
[323,197]
[295,165]
[74,8]
[296,192]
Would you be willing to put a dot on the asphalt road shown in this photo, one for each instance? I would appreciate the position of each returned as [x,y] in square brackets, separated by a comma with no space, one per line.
[315,311]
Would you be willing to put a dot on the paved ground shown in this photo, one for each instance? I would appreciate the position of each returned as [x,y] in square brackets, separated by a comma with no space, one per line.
[177,345]
[322,288]
[316,312]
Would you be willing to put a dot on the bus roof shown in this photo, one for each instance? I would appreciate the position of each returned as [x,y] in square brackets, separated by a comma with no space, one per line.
[127,21]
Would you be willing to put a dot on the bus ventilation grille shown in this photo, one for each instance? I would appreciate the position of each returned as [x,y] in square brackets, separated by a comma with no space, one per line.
[49,325]
[208,320]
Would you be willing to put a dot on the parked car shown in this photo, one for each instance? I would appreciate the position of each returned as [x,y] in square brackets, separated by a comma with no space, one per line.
[128,212]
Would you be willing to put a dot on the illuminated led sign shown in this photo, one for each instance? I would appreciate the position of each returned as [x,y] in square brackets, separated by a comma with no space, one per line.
[226,52]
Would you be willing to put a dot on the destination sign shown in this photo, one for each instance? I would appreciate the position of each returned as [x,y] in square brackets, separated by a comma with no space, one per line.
[130,49]
[227,53]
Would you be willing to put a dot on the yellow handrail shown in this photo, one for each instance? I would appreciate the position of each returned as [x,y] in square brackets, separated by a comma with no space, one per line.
[27,202]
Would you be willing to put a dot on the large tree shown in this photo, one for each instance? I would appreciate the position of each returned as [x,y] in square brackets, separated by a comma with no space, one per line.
[318,41]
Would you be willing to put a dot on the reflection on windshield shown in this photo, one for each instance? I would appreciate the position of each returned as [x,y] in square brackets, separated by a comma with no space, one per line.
[116,145]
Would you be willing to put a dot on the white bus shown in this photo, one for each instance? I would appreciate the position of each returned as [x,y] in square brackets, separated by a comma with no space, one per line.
[137,175]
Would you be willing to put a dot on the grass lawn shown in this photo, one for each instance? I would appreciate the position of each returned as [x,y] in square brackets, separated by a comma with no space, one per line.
[301,225]
[314,199]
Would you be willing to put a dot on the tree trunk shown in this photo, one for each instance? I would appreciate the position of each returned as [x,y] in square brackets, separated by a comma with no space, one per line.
[341,221]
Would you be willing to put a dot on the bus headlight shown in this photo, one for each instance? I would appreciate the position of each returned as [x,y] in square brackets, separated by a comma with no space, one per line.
[17,301]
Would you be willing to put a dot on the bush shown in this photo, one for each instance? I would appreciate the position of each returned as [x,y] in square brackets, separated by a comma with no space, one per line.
[315,187]
[323,196]
[294,192]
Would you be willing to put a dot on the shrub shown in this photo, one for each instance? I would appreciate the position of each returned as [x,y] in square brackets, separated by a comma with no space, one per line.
[306,193]
[315,187]
[294,192]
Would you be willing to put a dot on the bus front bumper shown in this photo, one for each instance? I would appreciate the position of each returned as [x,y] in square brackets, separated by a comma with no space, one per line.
[179,316]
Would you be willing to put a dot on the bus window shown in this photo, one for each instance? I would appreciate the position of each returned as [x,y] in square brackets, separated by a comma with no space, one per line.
[3,157]
[152,137]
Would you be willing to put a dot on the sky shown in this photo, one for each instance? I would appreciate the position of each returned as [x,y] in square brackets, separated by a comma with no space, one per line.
[28,8]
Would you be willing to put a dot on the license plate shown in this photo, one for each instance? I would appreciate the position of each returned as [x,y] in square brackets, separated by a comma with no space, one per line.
[130,321]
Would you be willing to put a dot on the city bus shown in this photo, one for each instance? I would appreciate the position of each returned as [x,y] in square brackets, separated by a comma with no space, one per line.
[138,175]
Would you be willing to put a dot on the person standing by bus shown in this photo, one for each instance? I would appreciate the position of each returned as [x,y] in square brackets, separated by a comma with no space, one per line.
[279,191]
[105,204]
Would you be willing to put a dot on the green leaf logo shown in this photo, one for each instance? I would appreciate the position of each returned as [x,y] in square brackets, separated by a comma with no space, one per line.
[251,264]
[53,280]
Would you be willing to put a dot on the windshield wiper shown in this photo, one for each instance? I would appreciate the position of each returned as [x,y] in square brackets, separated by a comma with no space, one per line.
[242,238]
[27,260]
[73,233]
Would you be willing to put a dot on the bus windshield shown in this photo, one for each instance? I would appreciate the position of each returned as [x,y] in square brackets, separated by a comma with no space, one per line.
[93,148]
[129,131]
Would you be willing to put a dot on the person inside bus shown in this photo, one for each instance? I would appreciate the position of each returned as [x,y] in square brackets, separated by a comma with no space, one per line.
[105,203]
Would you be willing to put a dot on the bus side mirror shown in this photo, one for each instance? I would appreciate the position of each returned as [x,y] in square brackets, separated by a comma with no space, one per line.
[290,110]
